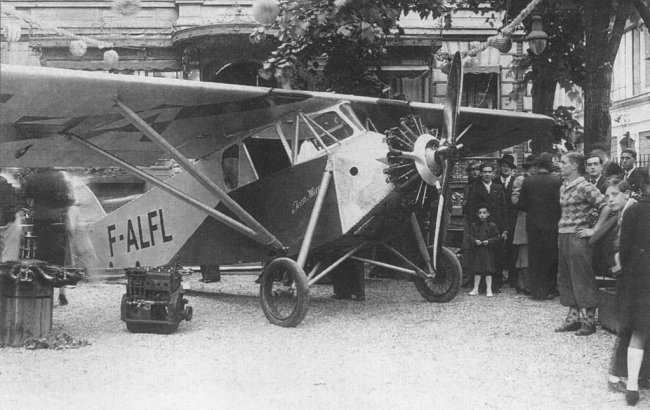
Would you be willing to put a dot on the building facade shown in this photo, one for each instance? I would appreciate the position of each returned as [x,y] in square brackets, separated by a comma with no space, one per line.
[630,110]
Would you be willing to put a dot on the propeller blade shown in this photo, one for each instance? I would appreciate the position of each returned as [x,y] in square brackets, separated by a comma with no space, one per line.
[450,118]
[452,99]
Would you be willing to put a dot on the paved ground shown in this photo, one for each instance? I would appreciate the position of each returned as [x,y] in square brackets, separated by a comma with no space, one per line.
[393,351]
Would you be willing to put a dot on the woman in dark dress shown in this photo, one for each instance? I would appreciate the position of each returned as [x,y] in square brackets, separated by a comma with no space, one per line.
[634,302]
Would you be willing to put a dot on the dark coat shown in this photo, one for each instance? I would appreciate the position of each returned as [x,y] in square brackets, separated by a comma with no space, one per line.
[482,255]
[636,180]
[540,198]
[512,209]
[495,200]
[634,283]
[601,183]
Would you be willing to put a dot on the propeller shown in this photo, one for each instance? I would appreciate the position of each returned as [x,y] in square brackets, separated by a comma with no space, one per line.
[433,157]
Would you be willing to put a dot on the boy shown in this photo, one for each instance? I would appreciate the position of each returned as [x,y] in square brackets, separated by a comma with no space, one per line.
[483,237]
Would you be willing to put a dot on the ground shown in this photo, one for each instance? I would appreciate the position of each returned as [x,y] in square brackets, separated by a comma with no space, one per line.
[393,351]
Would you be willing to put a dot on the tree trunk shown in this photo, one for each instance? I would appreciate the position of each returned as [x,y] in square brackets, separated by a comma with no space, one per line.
[597,126]
[544,85]
[601,43]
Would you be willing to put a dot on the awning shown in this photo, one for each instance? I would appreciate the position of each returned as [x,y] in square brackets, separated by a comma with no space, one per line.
[409,71]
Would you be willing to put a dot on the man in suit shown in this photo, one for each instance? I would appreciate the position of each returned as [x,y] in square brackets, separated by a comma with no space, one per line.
[632,174]
[610,168]
[595,172]
[540,198]
[484,191]
[506,255]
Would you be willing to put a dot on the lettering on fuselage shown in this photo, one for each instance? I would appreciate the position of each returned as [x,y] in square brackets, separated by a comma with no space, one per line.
[296,205]
[138,233]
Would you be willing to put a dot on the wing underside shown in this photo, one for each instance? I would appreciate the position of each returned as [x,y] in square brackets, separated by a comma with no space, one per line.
[40,107]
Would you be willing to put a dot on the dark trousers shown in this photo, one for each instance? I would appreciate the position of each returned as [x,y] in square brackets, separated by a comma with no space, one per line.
[505,259]
[542,261]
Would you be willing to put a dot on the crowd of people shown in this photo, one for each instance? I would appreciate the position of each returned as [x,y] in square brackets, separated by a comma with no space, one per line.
[554,228]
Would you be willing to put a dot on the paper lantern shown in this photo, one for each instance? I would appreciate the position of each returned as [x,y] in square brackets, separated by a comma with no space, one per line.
[503,43]
[111,57]
[126,7]
[78,48]
[266,11]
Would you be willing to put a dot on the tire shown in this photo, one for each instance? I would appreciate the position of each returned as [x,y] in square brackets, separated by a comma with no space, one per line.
[446,284]
[284,292]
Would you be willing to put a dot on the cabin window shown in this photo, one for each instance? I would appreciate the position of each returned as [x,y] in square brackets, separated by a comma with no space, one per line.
[267,155]
[332,122]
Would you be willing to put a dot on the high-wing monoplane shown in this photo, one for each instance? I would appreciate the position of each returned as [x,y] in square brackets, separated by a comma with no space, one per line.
[301,181]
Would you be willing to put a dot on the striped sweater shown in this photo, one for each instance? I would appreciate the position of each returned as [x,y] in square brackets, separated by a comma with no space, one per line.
[577,199]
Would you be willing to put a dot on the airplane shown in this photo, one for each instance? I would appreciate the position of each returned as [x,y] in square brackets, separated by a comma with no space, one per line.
[300,181]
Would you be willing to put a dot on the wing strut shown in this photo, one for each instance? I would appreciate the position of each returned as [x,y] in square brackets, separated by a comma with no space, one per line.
[262,234]
[226,220]
[315,214]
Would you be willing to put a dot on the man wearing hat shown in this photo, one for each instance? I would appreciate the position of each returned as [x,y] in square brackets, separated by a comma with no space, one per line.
[540,198]
[506,255]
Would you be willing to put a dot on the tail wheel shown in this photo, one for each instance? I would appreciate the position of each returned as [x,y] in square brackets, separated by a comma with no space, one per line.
[284,292]
[446,284]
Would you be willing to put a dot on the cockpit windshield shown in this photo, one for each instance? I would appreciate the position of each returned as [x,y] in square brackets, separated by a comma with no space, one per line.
[300,137]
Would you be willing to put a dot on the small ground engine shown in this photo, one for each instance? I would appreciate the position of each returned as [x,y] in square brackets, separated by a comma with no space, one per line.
[153,302]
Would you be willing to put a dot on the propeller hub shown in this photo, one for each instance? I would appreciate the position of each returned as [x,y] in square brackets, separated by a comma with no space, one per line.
[426,161]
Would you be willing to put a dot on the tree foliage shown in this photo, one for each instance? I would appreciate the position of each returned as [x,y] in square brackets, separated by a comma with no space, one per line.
[348,37]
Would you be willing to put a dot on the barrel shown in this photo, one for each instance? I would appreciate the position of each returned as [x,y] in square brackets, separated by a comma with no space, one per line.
[25,311]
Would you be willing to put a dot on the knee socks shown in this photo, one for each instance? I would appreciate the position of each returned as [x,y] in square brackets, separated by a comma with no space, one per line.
[634,359]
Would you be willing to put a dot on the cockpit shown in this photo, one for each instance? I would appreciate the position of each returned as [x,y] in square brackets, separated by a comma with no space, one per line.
[293,140]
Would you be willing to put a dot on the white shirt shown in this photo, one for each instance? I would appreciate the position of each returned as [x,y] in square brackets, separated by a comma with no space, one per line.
[487,186]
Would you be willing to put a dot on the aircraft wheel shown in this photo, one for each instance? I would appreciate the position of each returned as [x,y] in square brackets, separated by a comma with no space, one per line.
[284,292]
[446,284]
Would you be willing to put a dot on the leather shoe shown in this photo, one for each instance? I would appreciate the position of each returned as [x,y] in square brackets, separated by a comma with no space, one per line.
[341,297]
[586,330]
[631,397]
[568,327]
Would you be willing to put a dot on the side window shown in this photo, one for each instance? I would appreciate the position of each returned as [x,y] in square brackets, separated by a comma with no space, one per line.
[268,155]
[333,123]
[230,166]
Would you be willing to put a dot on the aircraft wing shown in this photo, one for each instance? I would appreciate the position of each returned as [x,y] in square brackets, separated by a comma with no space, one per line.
[40,106]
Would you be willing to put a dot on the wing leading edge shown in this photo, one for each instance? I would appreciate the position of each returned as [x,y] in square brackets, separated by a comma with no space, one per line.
[39,106]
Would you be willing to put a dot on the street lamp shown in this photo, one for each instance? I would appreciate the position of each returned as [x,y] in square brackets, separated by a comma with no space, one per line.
[537,38]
